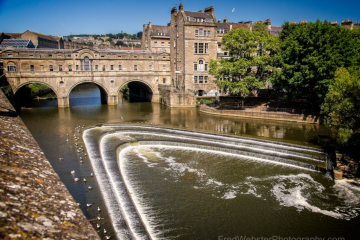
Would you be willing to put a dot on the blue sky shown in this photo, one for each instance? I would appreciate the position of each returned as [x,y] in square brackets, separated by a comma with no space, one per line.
[112,16]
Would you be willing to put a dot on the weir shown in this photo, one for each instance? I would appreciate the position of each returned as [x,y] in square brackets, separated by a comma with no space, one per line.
[105,145]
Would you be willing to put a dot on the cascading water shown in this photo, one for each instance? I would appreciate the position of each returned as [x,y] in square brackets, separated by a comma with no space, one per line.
[169,183]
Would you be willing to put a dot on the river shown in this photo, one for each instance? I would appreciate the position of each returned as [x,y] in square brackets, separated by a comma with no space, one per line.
[208,198]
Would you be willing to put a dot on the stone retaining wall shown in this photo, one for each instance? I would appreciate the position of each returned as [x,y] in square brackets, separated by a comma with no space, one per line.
[262,114]
[34,203]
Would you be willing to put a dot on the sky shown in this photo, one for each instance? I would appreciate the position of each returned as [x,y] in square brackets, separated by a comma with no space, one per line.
[113,16]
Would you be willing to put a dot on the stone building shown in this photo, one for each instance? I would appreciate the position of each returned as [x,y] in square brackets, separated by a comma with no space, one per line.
[109,69]
[193,43]
[43,41]
[155,38]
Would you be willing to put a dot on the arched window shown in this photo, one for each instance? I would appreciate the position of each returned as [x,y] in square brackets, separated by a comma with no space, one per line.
[86,64]
[201,65]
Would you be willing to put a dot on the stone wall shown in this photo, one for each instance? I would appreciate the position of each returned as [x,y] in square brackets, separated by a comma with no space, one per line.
[34,203]
[347,165]
[262,114]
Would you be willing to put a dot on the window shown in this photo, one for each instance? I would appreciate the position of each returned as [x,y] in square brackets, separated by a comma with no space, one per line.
[70,68]
[119,56]
[50,55]
[162,44]
[112,67]
[195,66]
[77,67]
[32,68]
[69,55]
[206,48]
[60,68]
[120,68]
[201,65]
[201,78]
[10,55]
[86,64]
[196,33]
[206,67]
[205,79]
[155,44]
[51,68]
[200,32]
[103,68]
[31,55]
[96,67]
[164,68]
[195,79]
[135,67]
[168,44]
[150,67]
[164,80]
[11,68]
[201,47]
[195,48]
[208,34]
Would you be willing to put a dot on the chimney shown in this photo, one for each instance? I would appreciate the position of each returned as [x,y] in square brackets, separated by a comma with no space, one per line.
[181,7]
[292,22]
[225,19]
[173,10]
[333,23]
[219,21]
[268,24]
[209,9]
[303,21]
[200,11]
[348,23]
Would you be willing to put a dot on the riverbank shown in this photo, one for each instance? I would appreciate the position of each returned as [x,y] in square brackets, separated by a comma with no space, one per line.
[34,203]
[258,113]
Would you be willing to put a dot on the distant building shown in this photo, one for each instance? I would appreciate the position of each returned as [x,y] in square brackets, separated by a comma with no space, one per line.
[43,41]
[17,43]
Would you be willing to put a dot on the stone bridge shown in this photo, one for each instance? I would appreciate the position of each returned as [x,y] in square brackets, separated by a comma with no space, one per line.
[64,69]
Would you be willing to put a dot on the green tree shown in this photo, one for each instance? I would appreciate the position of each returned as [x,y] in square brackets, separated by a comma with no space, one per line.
[309,55]
[251,62]
[342,104]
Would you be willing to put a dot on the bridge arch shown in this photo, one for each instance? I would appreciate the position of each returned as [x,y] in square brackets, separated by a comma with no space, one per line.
[23,96]
[104,92]
[35,81]
[139,90]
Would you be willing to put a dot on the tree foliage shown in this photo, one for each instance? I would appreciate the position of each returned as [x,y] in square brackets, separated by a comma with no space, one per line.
[310,54]
[342,104]
[253,56]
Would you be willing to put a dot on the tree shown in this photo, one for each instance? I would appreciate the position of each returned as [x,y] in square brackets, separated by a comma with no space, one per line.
[119,43]
[251,63]
[309,55]
[342,104]
[139,35]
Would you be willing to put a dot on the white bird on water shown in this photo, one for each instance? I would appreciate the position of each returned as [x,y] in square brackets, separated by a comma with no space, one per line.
[105,231]
[90,187]
[88,204]
[97,226]
[84,179]
[99,210]
[108,237]
[76,179]
[73,172]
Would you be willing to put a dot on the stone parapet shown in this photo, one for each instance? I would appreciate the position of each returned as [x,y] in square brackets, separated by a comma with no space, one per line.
[34,203]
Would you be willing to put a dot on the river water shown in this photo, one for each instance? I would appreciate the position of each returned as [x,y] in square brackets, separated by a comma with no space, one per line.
[187,193]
